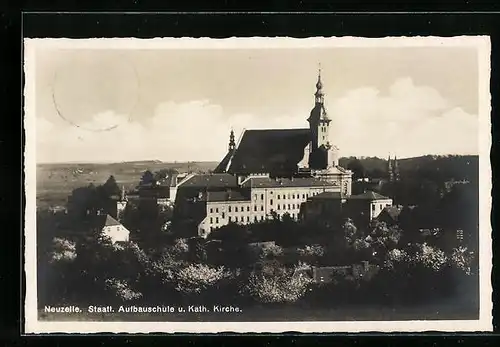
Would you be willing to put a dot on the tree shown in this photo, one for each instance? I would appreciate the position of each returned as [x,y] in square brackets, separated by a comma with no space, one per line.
[357,168]
[110,187]
[277,286]
[147,178]
[196,279]
[462,259]
[63,250]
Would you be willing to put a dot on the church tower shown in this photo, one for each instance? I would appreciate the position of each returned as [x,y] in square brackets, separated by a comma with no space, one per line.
[321,151]
[390,169]
[319,122]
[232,144]
[396,169]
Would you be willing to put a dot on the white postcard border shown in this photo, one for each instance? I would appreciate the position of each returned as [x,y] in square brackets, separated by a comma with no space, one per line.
[482,43]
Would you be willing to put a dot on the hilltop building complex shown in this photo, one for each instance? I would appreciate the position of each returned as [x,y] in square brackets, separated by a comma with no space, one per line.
[267,172]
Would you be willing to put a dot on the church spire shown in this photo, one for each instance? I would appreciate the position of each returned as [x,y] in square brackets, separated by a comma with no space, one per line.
[319,95]
[232,144]
[396,169]
[390,169]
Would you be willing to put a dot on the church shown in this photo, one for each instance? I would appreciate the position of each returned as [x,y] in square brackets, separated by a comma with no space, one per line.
[305,152]
[266,173]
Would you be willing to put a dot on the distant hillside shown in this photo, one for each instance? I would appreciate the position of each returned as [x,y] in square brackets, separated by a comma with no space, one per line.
[56,181]
[456,167]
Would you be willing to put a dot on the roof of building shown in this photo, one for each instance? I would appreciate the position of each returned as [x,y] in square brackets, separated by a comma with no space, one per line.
[269,150]
[392,211]
[223,164]
[327,195]
[221,180]
[105,220]
[267,182]
[369,195]
[230,195]
[169,181]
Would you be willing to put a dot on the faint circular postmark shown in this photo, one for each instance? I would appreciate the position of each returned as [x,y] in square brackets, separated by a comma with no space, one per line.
[92,91]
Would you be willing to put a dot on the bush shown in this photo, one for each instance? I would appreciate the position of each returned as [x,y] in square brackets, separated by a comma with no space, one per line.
[462,259]
[279,286]
[63,250]
[121,289]
[431,257]
[196,278]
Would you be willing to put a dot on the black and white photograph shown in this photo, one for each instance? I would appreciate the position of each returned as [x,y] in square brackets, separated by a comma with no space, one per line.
[258,185]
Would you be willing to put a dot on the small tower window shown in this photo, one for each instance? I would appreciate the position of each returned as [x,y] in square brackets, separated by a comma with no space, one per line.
[229,208]
[248,208]
[271,202]
[261,196]
[255,208]
[262,208]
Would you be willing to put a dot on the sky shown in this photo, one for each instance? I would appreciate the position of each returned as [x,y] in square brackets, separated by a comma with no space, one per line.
[180,105]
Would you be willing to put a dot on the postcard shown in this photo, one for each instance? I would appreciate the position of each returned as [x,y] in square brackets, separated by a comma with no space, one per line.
[329,184]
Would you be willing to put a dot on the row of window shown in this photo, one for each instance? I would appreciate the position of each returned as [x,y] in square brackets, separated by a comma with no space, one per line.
[235,219]
[381,206]
[290,207]
[243,219]
[288,196]
[271,202]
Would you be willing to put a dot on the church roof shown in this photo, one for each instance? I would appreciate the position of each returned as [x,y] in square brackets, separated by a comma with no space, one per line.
[221,180]
[266,182]
[223,164]
[369,195]
[269,150]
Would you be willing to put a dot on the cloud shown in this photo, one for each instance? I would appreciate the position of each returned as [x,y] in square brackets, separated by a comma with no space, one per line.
[410,120]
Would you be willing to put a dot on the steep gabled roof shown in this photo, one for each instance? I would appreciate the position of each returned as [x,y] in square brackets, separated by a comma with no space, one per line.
[104,220]
[221,168]
[269,150]
[369,195]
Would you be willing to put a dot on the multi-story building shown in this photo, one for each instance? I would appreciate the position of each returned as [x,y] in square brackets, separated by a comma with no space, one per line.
[363,208]
[267,173]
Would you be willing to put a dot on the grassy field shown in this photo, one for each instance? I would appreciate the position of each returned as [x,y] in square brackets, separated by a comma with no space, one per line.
[56,181]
